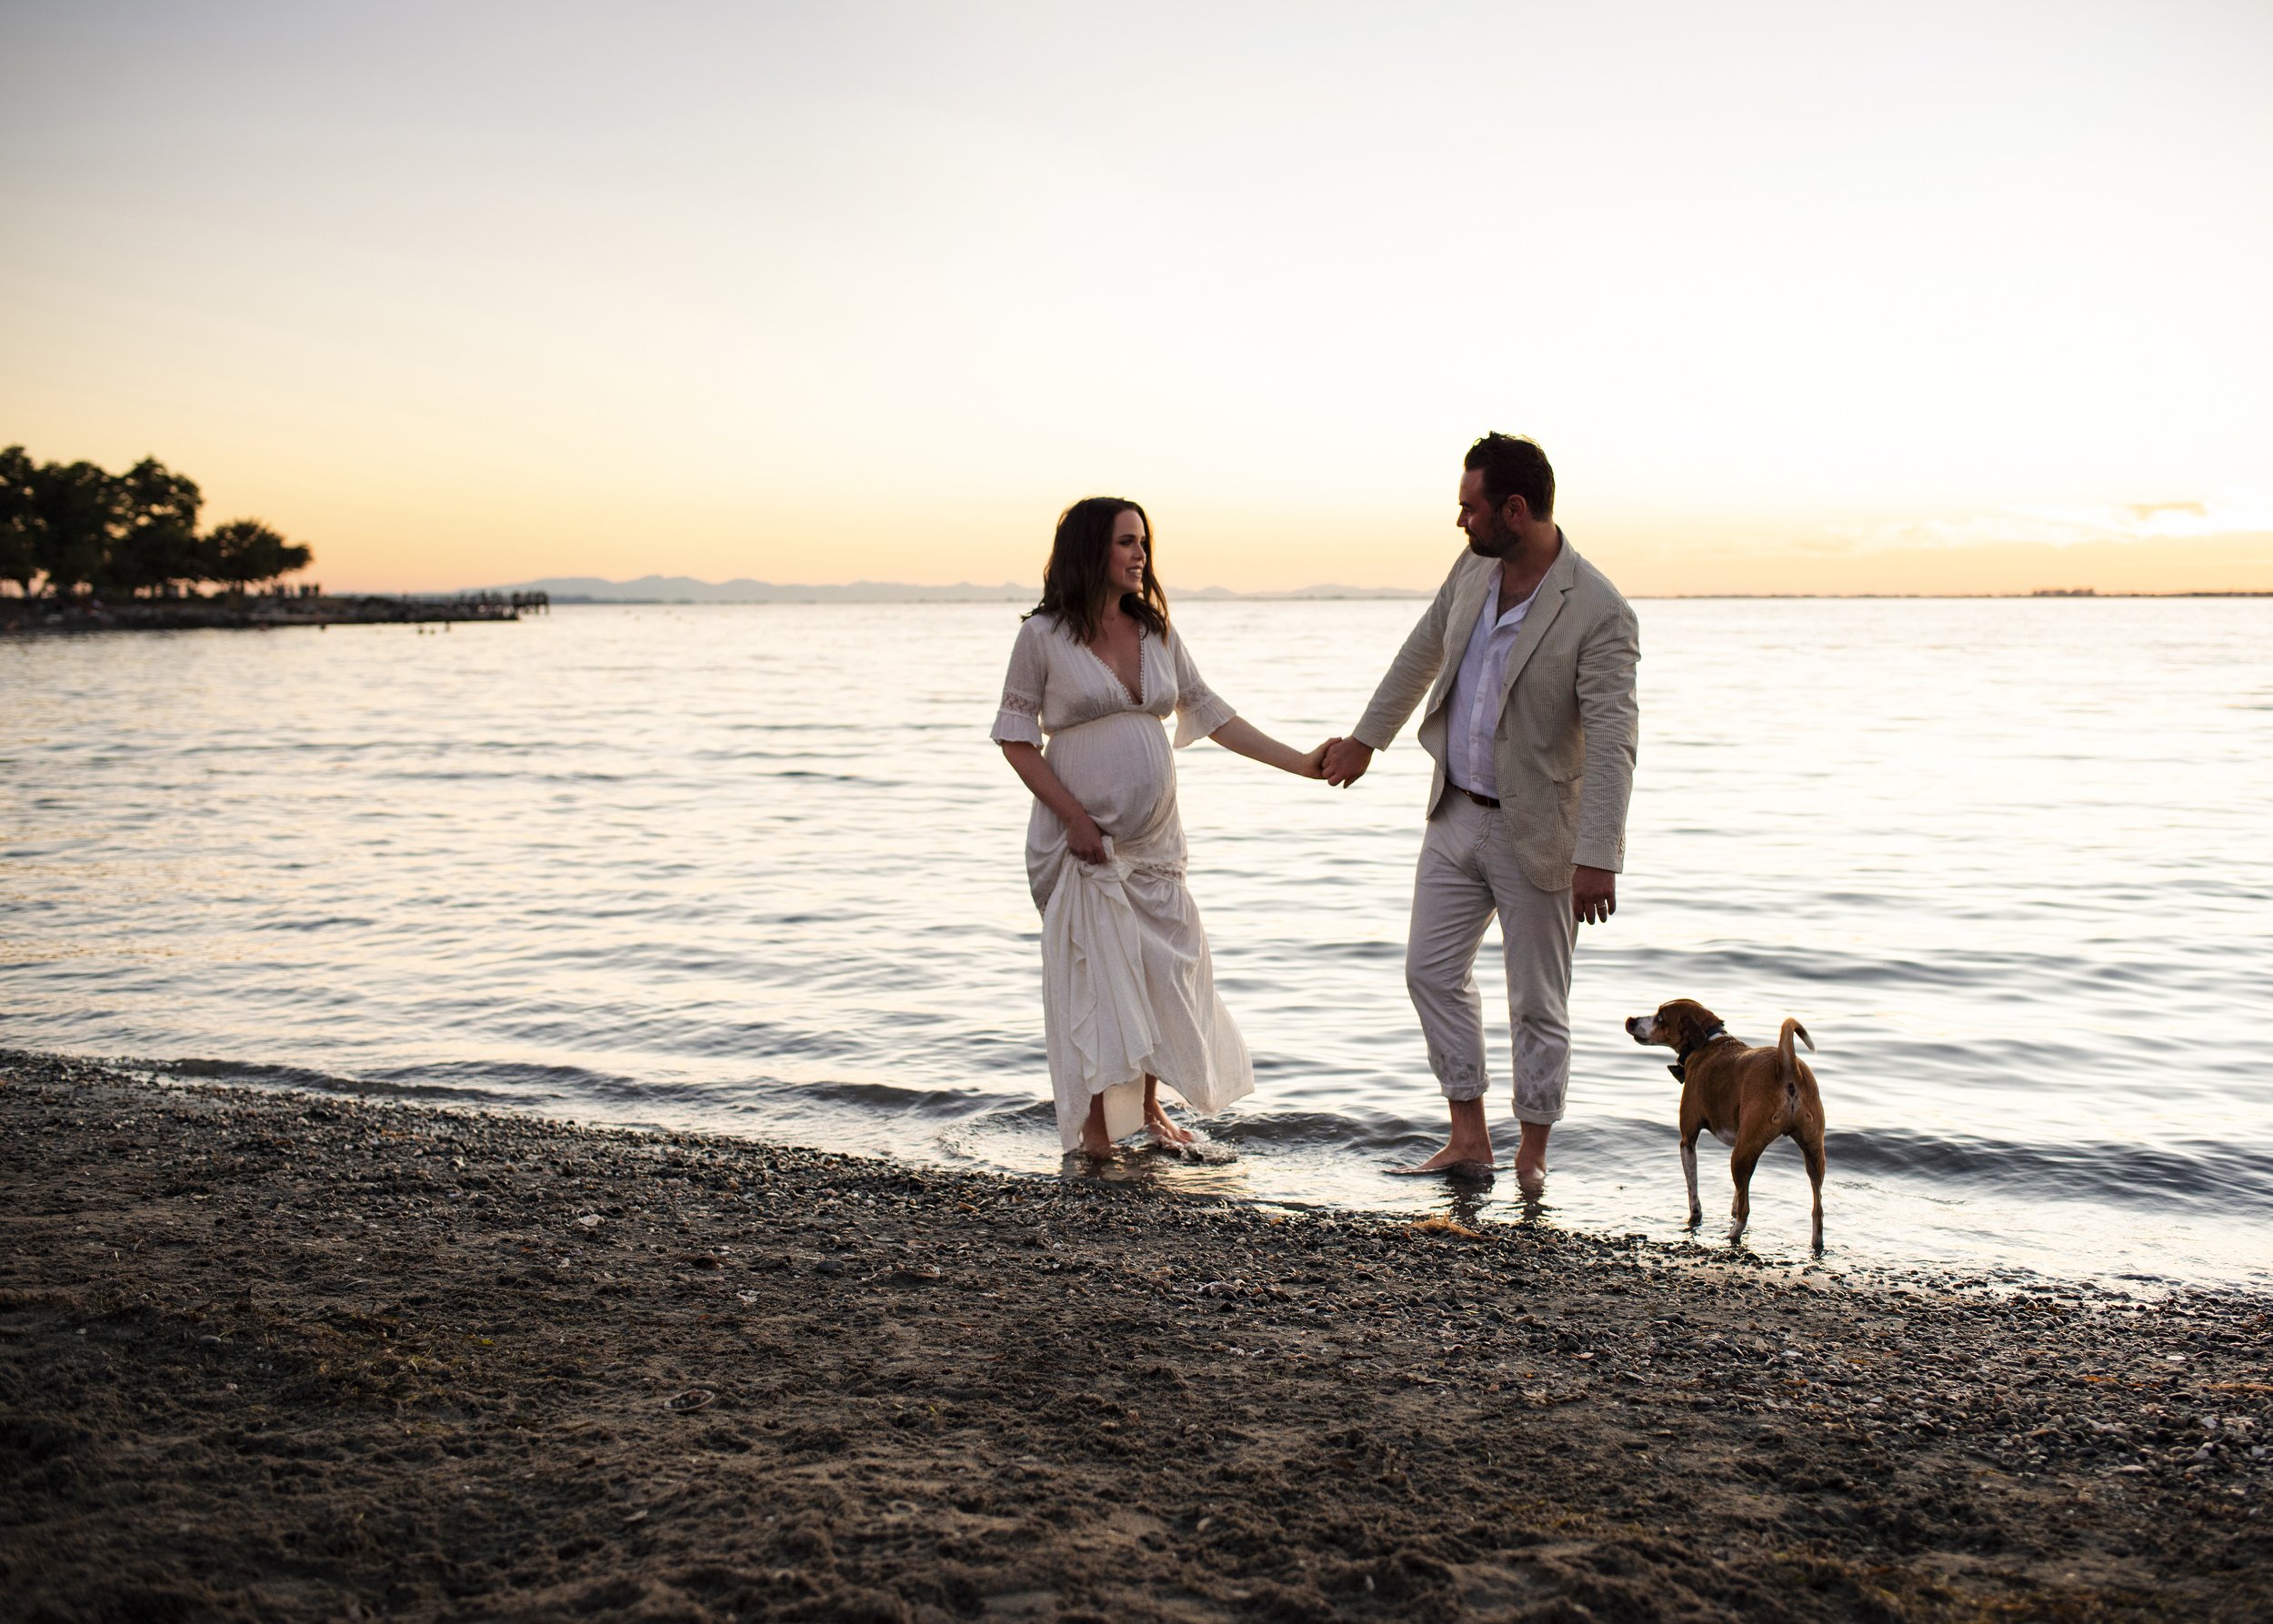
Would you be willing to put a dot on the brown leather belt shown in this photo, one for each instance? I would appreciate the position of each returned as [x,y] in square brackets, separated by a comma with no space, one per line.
[1481,800]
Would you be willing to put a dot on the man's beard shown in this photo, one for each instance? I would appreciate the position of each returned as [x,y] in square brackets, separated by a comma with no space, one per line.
[1494,543]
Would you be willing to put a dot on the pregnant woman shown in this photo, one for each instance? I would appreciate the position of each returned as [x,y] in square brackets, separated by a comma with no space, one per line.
[1128,991]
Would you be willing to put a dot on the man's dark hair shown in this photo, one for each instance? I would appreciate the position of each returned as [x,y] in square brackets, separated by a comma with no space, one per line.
[1514,467]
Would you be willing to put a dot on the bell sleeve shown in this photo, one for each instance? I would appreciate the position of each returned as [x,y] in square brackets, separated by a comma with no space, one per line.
[1198,711]
[1019,721]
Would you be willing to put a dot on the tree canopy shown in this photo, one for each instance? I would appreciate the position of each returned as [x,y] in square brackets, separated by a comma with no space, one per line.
[71,526]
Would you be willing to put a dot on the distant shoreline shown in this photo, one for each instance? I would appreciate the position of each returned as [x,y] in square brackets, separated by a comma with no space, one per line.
[22,616]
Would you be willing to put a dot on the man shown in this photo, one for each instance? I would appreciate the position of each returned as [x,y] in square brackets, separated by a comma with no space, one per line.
[1527,657]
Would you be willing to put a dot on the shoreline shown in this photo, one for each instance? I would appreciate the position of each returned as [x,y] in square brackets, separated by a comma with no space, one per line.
[299,1356]
[256,612]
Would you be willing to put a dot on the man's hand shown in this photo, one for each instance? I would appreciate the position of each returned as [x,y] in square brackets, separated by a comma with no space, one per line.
[1346,762]
[1594,894]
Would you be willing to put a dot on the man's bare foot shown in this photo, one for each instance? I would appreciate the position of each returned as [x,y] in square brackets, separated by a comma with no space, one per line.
[1457,1157]
[1531,1161]
[1468,1147]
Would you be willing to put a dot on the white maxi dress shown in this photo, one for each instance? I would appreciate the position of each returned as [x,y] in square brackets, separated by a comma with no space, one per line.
[1128,989]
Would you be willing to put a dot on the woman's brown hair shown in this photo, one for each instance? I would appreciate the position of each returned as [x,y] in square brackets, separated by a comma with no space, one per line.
[1074,587]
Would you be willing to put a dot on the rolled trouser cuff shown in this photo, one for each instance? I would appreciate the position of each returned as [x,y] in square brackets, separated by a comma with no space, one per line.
[1542,1070]
[1460,1078]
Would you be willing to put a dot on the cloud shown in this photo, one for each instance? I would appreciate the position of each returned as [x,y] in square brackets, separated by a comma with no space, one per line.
[2148,510]
[2075,525]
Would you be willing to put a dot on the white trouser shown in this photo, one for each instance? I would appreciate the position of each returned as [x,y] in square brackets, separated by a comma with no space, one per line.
[1468,873]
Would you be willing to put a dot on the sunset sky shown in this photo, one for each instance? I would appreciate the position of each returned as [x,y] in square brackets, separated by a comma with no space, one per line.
[1919,297]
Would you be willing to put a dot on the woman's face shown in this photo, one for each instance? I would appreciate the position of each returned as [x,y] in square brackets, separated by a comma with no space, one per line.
[1125,565]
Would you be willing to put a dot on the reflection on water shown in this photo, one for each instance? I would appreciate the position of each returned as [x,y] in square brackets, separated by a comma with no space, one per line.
[756,870]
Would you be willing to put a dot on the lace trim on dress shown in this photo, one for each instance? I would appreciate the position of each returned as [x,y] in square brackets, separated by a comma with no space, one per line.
[1019,720]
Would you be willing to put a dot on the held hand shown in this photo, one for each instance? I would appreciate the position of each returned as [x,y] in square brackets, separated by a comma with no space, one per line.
[1594,894]
[1312,764]
[1085,840]
[1346,762]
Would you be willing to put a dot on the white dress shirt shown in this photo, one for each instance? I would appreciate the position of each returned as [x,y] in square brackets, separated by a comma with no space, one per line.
[1472,714]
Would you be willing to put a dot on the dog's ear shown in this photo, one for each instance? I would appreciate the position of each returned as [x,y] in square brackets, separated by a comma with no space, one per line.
[1687,1020]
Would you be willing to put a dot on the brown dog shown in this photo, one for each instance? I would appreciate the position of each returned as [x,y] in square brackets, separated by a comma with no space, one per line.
[1745,1097]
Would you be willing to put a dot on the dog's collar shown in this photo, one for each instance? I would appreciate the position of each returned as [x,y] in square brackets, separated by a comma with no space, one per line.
[1680,1068]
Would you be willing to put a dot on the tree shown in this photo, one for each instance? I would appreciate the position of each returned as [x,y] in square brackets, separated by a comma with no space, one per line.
[245,551]
[76,504]
[156,543]
[133,532]
[19,520]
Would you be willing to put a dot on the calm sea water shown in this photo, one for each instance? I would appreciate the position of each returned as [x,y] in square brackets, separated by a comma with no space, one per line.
[758,870]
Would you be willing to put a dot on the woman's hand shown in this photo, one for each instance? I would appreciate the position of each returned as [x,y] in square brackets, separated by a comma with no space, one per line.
[1314,763]
[1084,840]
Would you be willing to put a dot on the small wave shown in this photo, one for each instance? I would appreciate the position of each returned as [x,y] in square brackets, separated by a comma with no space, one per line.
[524,1084]
[250,1074]
[1319,1131]
[2203,1175]
[944,1104]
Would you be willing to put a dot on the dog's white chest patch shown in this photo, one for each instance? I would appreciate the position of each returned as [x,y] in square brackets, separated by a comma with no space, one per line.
[1726,1136]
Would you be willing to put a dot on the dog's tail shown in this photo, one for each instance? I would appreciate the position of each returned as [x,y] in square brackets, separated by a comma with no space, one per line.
[1787,1060]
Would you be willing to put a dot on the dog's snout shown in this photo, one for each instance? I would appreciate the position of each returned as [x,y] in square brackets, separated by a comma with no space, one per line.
[1637,1026]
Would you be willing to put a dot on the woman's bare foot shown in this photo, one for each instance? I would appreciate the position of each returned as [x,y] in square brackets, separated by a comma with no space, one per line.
[1157,1122]
[1094,1141]
[1165,1131]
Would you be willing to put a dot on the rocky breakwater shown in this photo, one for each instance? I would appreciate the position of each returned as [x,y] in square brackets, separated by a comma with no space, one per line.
[292,1356]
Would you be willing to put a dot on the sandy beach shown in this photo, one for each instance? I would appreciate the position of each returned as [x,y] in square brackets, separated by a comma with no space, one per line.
[288,1356]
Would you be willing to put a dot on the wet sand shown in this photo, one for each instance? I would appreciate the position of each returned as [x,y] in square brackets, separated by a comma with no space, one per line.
[286,1355]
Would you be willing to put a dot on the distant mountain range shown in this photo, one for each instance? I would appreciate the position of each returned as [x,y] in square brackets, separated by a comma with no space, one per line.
[686,590]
